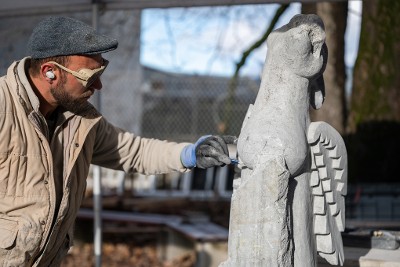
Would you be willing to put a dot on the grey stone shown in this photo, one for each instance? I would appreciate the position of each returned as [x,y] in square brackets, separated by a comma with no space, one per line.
[288,204]
[384,240]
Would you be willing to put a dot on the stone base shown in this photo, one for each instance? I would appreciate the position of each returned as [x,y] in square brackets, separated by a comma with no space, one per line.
[367,257]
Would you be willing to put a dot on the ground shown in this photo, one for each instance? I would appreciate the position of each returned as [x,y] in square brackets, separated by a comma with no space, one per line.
[136,245]
[123,245]
[123,255]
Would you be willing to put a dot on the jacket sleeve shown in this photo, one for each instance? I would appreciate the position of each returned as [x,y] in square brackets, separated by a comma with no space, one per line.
[117,149]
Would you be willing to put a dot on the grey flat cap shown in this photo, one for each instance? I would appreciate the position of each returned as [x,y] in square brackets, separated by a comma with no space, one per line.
[63,36]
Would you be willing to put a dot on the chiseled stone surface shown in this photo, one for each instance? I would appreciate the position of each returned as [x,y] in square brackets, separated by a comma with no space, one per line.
[293,172]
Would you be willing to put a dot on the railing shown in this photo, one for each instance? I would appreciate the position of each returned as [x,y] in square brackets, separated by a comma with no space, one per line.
[363,201]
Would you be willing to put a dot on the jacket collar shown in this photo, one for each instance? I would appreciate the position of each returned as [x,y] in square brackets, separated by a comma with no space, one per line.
[22,69]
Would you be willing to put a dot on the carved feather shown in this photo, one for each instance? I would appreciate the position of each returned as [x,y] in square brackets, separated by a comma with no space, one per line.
[328,180]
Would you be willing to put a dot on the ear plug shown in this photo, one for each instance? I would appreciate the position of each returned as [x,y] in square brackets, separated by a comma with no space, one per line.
[50,75]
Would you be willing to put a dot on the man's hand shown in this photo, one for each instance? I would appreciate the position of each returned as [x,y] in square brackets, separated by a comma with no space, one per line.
[208,151]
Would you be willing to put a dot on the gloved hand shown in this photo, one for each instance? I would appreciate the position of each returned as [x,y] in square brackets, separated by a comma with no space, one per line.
[208,151]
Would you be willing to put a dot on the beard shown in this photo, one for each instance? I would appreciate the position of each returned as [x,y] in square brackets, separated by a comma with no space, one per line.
[76,105]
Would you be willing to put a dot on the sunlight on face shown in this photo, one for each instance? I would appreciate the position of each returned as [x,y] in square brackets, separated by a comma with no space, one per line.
[70,93]
[68,101]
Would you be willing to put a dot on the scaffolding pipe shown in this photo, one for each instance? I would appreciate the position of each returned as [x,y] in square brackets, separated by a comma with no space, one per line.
[31,7]
[97,200]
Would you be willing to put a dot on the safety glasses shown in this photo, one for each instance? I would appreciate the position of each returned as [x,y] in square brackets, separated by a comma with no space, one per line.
[85,76]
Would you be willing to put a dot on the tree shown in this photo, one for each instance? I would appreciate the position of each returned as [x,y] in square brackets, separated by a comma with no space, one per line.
[375,104]
[334,110]
[334,15]
[223,126]
[376,83]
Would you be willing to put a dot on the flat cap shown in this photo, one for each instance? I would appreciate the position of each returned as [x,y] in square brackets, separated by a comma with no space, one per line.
[63,36]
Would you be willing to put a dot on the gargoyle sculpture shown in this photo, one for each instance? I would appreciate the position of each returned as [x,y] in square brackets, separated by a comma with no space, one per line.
[288,204]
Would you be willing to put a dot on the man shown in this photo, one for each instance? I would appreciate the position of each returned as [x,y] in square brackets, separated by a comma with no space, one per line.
[50,134]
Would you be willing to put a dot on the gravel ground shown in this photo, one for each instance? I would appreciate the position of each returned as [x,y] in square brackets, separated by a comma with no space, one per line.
[123,255]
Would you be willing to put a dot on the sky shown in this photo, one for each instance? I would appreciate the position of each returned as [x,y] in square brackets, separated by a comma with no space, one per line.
[210,40]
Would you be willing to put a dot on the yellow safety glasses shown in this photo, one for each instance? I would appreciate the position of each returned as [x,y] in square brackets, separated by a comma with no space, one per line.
[85,76]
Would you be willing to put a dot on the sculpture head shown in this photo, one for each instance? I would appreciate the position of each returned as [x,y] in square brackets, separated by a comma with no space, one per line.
[299,47]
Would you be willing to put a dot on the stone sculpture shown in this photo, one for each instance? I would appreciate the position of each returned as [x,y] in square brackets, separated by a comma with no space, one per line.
[288,204]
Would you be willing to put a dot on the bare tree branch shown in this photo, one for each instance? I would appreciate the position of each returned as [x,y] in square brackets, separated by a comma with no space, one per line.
[258,43]
[223,126]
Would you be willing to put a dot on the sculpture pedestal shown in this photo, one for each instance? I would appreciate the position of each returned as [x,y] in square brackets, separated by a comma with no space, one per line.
[367,257]
[258,230]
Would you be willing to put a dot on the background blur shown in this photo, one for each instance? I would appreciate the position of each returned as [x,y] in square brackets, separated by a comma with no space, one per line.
[185,70]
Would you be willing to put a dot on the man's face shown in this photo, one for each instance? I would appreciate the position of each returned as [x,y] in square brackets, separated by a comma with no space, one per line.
[69,92]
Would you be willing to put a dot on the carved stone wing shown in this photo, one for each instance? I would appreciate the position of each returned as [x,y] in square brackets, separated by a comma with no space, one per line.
[328,181]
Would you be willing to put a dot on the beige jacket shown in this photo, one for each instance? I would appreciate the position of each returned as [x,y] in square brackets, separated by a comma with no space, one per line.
[31,234]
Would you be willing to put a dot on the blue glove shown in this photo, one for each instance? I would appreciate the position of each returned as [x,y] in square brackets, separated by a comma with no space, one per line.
[208,151]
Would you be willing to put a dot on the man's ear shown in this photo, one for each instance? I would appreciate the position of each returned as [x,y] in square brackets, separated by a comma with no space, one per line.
[47,72]
[317,92]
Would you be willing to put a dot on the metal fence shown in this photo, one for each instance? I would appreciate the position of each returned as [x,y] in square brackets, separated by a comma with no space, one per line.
[179,107]
[183,107]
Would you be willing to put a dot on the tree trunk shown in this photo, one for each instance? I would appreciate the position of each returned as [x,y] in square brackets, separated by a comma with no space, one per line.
[374,122]
[334,109]
[376,82]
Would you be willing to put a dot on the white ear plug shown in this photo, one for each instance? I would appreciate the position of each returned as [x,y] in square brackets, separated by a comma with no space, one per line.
[50,75]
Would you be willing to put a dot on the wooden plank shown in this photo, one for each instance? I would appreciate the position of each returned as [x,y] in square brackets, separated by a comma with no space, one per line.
[370,224]
[203,232]
[131,229]
[196,231]
[157,219]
